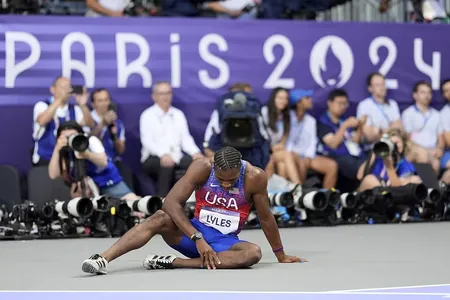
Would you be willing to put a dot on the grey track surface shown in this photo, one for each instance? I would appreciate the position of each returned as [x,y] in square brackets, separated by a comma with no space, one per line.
[341,258]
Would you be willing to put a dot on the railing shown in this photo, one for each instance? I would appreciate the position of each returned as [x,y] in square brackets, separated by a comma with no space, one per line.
[368,11]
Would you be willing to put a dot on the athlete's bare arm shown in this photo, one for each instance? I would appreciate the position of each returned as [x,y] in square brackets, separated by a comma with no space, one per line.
[196,175]
[258,184]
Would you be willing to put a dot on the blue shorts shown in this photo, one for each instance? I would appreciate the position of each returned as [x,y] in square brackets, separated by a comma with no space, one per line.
[116,191]
[444,159]
[218,241]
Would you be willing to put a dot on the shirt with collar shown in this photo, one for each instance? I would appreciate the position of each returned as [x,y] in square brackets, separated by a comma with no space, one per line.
[164,133]
[302,136]
[378,115]
[423,126]
[444,119]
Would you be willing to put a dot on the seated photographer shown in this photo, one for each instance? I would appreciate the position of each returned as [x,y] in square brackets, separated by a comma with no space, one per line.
[340,139]
[50,113]
[302,140]
[276,116]
[108,128]
[421,123]
[388,165]
[94,163]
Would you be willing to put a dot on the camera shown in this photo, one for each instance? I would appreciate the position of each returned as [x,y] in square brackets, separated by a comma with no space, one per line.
[384,147]
[147,205]
[78,142]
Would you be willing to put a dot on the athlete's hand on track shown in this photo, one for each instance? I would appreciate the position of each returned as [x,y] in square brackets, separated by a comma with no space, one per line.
[207,254]
[292,259]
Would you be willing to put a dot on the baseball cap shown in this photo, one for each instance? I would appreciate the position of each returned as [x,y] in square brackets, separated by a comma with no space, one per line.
[297,95]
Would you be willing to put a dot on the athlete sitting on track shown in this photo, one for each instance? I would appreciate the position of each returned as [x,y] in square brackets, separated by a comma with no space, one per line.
[210,239]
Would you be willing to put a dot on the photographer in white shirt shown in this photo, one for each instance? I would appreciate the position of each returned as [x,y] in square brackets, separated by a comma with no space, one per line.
[165,136]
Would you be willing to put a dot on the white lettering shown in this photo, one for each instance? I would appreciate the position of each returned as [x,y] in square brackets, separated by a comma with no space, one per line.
[87,68]
[339,48]
[175,60]
[275,80]
[12,70]
[386,66]
[434,70]
[214,200]
[137,66]
[219,63]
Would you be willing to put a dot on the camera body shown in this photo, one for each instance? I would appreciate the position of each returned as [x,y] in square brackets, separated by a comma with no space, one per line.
[385,147]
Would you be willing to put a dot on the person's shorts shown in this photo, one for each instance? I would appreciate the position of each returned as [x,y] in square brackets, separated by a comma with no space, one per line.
[349,165]
[218,241]
[444,159]
[116,191]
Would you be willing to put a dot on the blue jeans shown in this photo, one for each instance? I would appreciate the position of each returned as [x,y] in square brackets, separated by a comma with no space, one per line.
[116,191]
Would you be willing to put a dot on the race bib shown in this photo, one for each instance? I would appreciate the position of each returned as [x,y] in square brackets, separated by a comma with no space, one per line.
[222,220]
[352,148]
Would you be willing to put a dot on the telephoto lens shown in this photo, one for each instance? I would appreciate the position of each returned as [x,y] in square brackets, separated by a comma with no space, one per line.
[147,205]
[410,194]
[333,196]
[385,147]
[348,200]
[101,203]
[78,207]
[285,199]
[434,196]
[78,142]
[311,198]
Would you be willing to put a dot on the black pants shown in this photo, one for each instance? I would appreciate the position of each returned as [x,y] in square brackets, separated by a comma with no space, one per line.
[165,177]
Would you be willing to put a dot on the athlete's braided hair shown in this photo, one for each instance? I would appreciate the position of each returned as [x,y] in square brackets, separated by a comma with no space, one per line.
[227,158]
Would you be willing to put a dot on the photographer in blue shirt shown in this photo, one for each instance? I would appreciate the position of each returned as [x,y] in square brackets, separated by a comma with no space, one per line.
[98,166]
[388,168]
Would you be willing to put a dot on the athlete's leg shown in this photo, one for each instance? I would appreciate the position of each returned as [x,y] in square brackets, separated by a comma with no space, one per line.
[139,235]
[135,238]
[240,255]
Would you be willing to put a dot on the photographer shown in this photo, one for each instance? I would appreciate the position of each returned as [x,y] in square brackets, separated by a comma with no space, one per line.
[108,127]
[388,166]
[69,163]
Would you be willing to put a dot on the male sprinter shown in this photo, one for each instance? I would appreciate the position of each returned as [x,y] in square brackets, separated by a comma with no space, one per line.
[222,189]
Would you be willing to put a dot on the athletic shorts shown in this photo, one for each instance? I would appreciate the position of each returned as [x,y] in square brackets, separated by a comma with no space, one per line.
[218,241]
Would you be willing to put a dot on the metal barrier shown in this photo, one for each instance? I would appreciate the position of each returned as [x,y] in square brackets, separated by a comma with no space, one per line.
[368,11]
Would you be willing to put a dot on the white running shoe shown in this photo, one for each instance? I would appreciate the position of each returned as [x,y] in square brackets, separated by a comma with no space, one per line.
[153,261]
[96,264]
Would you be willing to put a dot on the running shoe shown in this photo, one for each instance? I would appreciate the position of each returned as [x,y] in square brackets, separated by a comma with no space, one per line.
[153,261]
[96,264]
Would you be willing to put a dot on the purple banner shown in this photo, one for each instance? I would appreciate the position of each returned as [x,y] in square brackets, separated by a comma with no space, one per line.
[202,58]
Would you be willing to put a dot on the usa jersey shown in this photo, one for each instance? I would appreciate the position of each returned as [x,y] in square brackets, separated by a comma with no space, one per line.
[224,210]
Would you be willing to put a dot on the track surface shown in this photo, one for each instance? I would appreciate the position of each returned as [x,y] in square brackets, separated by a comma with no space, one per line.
[341,258]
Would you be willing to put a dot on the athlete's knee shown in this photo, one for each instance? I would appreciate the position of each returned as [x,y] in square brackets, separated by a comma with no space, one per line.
[158,221]
[253,255]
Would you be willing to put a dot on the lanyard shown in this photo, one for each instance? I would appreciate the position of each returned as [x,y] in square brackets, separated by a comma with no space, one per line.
[381,109]
[425,117]
[347,134]
[298,131]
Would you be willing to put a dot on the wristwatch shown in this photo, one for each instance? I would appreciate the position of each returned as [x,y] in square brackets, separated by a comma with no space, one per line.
[196,236]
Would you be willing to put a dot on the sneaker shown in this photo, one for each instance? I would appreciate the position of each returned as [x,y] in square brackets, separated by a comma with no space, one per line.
[153,261]
[96,264]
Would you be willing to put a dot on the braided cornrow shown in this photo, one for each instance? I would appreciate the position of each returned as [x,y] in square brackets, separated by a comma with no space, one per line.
[227,158]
